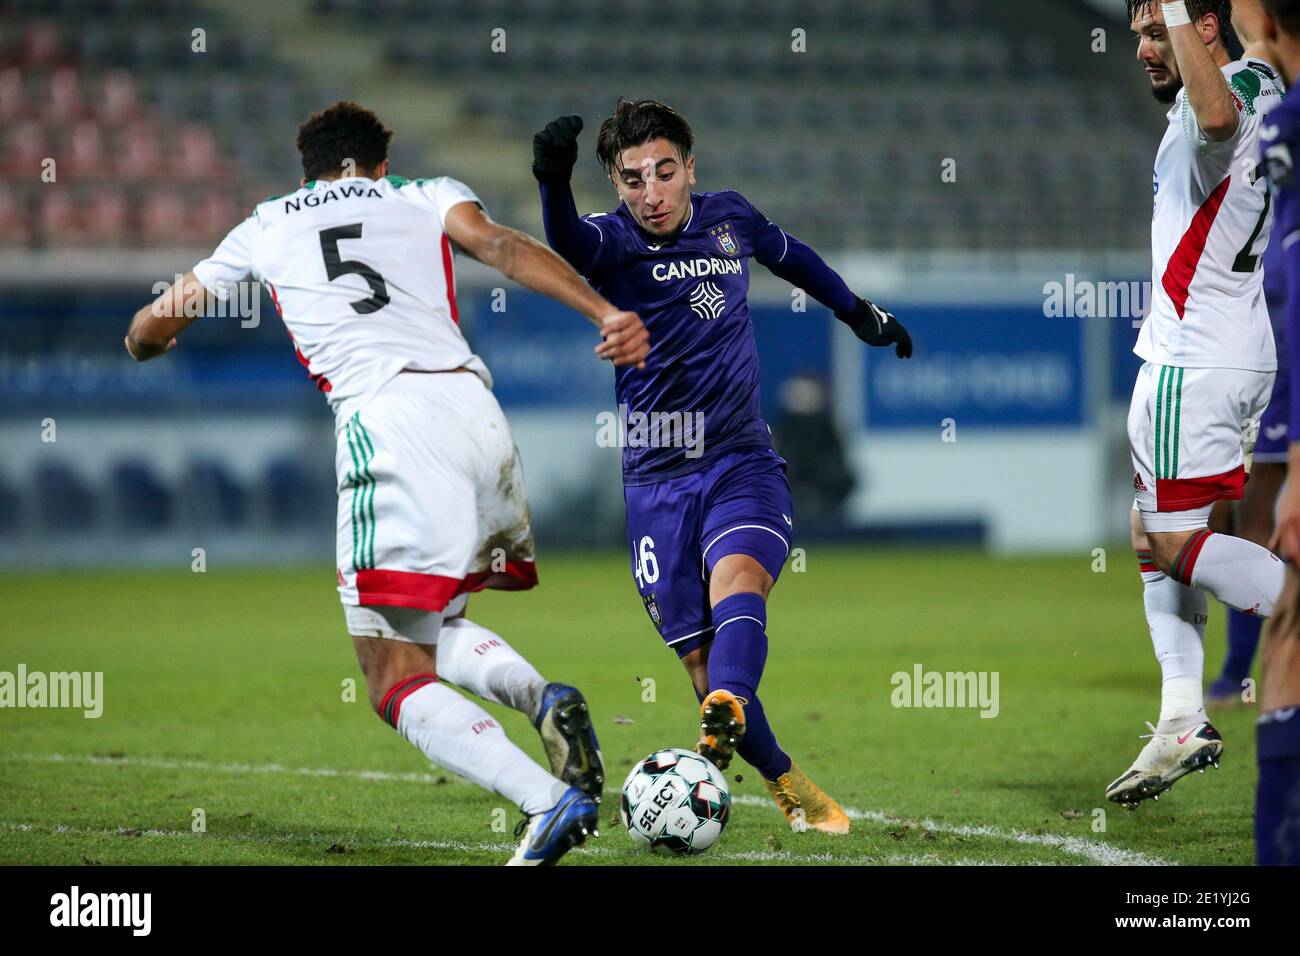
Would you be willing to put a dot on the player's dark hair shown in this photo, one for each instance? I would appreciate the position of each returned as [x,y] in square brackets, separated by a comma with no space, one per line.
[1222,10]
[637,122]
[1286,13]
[339,132]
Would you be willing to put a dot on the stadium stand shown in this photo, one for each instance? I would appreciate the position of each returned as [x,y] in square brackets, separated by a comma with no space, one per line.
[163,145]
[160,150]
[815,135]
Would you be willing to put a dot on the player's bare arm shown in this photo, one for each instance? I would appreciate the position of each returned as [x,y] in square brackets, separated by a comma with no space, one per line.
[1286,533]
[521,258]
[1207,89]
[154,329]
[1250,20]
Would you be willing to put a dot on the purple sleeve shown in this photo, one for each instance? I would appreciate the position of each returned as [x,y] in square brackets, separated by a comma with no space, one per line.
[577,241]
[789,259]
[1291,264]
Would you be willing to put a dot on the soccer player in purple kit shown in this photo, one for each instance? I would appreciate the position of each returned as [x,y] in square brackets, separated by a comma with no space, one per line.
[709,523]
[1252,517]
[1277,800]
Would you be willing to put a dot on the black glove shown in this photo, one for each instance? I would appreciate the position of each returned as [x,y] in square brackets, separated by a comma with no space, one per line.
[875,326]
[555,149]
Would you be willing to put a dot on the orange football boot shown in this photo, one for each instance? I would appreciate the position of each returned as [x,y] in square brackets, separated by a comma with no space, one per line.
[722,725]
[805,804]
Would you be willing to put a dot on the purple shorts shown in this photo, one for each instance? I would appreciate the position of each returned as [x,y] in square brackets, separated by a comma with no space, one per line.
[679,528]
[1273,442]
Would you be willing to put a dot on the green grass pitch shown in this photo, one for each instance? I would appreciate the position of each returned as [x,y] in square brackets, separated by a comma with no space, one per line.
[224,694]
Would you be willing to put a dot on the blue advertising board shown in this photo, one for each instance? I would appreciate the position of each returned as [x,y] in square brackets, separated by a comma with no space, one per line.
[982,366]
[540,353]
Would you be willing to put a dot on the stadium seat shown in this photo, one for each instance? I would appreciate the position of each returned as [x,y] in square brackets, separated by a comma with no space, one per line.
[213,497]
[15,218]
[140,500]
[108,217]
[296,497]
[10,508]
[64,501]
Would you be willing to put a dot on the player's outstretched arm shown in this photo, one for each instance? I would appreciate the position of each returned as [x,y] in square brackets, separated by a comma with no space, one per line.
[1248,19]
[154,329]
[877,327]
[520,257]
[794,261]
[555,150]
[1207,89]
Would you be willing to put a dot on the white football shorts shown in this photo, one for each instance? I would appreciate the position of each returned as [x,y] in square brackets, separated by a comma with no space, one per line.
[432,503]
[1191,433]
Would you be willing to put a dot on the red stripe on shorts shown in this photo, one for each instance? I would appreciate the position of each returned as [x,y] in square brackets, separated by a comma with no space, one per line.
[432,592]
[1180,494]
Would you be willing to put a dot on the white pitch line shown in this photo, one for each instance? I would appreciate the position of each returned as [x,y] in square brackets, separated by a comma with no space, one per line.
[161,763]
[1093,850]
[746,856]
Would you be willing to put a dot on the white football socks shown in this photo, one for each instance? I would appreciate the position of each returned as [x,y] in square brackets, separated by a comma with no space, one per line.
[461,736]
[1238,572]
[472,657]
[1176,616]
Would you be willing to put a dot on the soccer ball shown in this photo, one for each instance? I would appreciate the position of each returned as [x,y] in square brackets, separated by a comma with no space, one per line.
[675,802]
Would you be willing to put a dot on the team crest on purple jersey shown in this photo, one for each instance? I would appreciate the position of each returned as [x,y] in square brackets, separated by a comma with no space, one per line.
[725,239]
[652,608]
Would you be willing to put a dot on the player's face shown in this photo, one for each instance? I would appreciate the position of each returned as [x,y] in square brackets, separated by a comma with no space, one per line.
[655,184]
[1156,52]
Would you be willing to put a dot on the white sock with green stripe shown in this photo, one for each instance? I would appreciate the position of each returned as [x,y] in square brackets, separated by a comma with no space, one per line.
[472,657]
[1176,616]
[461,736]
[1238,572]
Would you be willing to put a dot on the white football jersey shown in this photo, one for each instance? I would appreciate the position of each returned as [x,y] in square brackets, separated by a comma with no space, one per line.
[1211,222]
[361,272]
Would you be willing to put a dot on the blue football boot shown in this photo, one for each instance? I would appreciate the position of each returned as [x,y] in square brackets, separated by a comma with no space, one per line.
[549,835]
[564,722]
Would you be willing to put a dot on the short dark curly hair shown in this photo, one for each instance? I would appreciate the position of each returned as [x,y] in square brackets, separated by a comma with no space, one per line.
[637,122]
[340,132]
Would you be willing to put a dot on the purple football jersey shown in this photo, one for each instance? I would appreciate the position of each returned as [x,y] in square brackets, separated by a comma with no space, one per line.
[692,293]
[1279,142]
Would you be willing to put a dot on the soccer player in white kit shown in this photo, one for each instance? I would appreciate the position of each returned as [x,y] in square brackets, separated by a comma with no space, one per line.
[431,496]
[1209,367]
